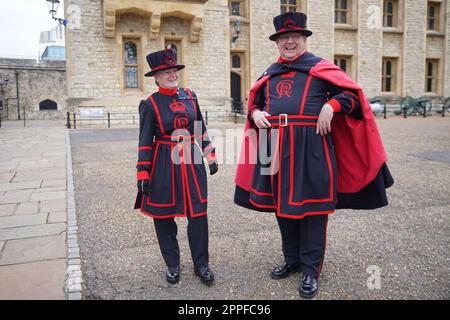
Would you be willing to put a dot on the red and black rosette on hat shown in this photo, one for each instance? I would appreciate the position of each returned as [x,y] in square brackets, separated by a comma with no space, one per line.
[290,22]
[164,59]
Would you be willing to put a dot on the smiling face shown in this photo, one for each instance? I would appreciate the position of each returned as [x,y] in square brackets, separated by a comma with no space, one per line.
[291,45]
[167,78]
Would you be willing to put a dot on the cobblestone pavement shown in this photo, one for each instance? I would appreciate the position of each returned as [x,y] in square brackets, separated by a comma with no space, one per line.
[408,240]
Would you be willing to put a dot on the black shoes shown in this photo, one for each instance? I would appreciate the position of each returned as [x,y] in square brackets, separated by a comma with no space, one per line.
[205,274]
[173,275]
[308,287]
[284,271]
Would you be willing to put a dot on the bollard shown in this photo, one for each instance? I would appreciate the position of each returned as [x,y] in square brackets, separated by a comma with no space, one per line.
[68,120]
[425,111]
[206,117]
[235,116]
[74,121]
[0,120]
[109,120]
[404,113]
[443,111]
[384,112]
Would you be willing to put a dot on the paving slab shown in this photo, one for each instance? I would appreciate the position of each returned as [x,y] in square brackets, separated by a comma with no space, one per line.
[42,280]
[60,216]
[20,185]
[32,231]
[27,208]
[15,196]
[53,205]
[22,220]
[48,195]
[7,209]
[54,183]
[34,249]
[6,177]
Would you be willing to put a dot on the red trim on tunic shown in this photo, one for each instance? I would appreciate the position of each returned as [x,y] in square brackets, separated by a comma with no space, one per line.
[142,175]
[158,115]
[143,163]
[289,74]
[315,213]
[211,156]
[305,94]
[262,194]
[145,148]
[335,105]
[264,206]
[281,60]
[195,180]
[168,91]
[149,202]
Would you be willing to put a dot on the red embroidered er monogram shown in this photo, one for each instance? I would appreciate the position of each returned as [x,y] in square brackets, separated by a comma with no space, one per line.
[181,121]
[284,88]
[177,106]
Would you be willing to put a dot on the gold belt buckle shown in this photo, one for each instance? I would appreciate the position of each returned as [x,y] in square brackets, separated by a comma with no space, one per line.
[280,121]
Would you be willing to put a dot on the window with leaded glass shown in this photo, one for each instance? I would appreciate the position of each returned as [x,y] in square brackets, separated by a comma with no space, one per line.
[389,13]
[431,75]
[342,11]
[433,13]
[131,65]
[238,8]
[288,6]
[343,62]
[388,77]
[235,8]
[236,61]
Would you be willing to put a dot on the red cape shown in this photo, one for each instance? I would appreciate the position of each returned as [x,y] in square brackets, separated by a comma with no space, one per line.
[358,146]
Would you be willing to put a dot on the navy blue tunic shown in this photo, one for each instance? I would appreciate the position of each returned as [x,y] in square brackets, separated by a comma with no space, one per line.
[302,179]
[171,131]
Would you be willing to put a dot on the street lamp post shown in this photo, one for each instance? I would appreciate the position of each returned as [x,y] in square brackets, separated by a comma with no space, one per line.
[53,8]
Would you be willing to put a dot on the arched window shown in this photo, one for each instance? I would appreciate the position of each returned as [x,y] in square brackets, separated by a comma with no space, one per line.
[432,17]
[131,65]
[391,12]
[48,104]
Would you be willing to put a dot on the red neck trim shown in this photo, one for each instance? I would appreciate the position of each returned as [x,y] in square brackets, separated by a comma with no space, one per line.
[168,92]
[281,60]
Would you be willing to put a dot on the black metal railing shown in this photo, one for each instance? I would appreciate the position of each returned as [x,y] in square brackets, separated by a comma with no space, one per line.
[109,118]
[74,119]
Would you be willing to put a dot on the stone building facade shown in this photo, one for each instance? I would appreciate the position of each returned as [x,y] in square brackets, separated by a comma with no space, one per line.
[390,47]
[36,90]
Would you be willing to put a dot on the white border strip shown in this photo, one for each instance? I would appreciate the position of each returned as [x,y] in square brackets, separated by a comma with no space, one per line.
[74,275]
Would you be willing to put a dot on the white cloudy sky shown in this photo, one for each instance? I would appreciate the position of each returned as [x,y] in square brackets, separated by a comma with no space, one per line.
[21,22]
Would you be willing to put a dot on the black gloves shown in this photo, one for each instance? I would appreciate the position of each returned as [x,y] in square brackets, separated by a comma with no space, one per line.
[213,167]
[144,186]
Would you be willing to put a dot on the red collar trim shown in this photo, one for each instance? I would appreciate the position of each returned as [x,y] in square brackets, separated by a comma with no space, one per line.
[168,92]
[281,60]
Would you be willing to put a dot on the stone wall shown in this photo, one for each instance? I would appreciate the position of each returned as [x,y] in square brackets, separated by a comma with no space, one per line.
[414,44]
[37,82]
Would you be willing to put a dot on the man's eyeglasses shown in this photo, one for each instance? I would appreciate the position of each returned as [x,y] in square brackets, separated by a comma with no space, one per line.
[285,37]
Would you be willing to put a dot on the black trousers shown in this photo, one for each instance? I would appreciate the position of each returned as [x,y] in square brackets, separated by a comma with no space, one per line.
[304,241]
[197,231]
